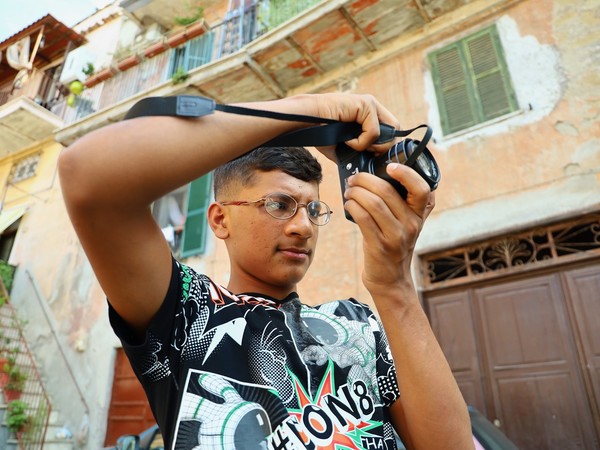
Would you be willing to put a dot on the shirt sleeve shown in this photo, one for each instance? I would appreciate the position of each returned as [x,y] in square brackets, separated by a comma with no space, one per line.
[385,371]
[385,367]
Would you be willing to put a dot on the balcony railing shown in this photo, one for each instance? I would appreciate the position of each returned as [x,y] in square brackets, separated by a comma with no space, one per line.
[40,87]
[19,367]
[239,27]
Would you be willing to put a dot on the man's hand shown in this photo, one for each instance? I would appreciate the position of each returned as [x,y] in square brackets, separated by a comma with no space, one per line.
[362,109]
[389,225]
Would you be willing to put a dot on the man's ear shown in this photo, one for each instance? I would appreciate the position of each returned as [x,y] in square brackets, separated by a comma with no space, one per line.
[217,220]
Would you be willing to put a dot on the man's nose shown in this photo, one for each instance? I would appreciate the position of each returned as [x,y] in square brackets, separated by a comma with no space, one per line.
[300,224]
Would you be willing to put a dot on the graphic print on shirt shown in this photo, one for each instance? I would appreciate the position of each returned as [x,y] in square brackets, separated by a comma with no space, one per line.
[245,372]
[224,413]
[221,413]
[265,343]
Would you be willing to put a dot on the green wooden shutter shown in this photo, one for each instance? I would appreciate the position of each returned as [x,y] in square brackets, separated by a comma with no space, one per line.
[471,81]
[194,231]
[490,76]
[199,51]
[457,105]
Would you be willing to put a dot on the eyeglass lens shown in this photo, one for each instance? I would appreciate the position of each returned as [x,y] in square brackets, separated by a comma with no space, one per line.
[282,206]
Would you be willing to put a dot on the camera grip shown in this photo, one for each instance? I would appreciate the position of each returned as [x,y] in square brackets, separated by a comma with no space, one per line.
[349,163]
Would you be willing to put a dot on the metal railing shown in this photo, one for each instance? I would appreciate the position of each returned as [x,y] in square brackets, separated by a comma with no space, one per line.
[29,392]
[240,27]
[40,87]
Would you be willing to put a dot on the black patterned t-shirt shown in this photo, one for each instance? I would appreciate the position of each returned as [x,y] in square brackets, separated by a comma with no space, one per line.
[225,371]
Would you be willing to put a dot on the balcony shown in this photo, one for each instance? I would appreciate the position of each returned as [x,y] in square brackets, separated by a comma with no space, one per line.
[163,12]
[259,54]
[28,95]
[25,115]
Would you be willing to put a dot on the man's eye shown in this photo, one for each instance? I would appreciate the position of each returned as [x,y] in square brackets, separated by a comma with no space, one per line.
[314,209]
[279,205]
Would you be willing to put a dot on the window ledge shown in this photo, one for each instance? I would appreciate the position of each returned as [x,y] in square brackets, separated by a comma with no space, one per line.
[482,125]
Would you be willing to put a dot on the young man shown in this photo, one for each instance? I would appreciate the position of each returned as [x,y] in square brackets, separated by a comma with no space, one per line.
[249,366]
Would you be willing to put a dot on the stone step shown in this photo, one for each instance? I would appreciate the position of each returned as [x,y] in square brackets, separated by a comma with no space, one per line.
[10,445]
[57,438]
[55,445]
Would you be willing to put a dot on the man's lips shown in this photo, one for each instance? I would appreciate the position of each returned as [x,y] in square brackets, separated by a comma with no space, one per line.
[295,252]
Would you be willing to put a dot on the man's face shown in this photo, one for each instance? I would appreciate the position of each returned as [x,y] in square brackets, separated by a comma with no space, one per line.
[269,255]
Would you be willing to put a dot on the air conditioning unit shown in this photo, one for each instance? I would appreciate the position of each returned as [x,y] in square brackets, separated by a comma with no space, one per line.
[76,60]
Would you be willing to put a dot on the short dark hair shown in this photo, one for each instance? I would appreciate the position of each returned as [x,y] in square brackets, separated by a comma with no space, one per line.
[295,161]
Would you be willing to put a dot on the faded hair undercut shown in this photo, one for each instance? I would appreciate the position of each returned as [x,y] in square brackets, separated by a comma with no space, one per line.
[294,161]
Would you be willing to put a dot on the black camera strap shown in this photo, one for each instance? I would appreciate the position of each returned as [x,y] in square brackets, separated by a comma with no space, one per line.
[328,132]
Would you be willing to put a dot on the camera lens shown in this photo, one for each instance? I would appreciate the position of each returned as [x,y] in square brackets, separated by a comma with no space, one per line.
[424,164]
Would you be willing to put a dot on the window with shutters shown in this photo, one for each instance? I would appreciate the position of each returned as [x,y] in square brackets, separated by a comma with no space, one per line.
[472,83]
[192,54]
[181,216]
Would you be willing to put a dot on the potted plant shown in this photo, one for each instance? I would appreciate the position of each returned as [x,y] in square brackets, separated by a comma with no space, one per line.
[7,273]
[16,416]
[196,29]
[88,69]
[128,62]
[16,379]
[195,14]
[4,341]
[179,76]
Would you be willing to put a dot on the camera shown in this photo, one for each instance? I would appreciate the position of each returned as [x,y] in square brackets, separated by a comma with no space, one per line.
[410,152]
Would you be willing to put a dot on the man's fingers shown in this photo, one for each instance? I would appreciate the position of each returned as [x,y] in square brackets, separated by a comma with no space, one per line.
[418,197]
[363,109]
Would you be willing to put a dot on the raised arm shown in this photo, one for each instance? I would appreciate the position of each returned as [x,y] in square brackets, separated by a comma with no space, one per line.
[431,413]
[111,176]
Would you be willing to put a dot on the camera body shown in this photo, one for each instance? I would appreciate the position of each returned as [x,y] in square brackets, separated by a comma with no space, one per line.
[409,152]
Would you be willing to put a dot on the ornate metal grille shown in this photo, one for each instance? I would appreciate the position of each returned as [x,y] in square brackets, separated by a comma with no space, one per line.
[558,242]
[24,168]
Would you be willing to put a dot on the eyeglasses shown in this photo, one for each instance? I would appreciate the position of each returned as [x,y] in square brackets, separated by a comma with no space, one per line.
[283,206]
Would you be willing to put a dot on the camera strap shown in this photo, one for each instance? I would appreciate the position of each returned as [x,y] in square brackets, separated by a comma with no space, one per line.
[327,132]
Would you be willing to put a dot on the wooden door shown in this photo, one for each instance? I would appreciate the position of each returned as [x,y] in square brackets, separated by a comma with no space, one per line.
[129,411]
[526,352]
[531,359]
[452,320]
[584,291]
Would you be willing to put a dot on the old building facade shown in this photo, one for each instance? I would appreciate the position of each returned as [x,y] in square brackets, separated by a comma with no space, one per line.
[508,264]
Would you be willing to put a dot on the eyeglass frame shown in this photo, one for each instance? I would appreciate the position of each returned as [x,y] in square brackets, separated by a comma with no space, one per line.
[264,199]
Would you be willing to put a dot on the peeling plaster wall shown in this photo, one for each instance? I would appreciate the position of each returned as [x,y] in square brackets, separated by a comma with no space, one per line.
[536,165]
[65,311]
[540,163]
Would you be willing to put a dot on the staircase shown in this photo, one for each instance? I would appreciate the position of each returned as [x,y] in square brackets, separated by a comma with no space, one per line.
[20,379]
[54,439]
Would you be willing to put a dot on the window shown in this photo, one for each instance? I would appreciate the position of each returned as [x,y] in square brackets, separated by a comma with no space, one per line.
[192,54]
[7,240]
[24,168]
[182,217]
[472,83]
